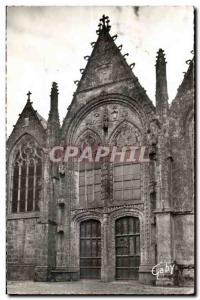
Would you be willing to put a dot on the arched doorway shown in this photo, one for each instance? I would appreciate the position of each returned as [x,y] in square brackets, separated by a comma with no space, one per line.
[127,247]
[90,249]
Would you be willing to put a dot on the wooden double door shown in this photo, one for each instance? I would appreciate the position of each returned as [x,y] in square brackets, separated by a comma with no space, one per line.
[90,249]
[127,249]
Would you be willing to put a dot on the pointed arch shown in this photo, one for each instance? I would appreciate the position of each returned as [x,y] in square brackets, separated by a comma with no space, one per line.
[127,132]
[88,135]
[26,172]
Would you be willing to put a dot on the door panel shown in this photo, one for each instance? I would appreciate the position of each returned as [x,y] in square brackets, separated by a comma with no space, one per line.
[90,249]
[127,243]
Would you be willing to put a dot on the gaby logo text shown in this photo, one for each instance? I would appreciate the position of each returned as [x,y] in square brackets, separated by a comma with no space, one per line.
[162,269]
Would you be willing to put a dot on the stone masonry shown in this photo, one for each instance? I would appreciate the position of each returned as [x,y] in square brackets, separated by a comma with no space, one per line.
[48,203]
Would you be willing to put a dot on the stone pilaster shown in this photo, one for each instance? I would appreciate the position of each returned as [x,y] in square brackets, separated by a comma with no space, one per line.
[105,272]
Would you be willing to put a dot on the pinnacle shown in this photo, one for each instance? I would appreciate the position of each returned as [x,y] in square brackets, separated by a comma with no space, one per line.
[54,89]
[160,56]
[103,25]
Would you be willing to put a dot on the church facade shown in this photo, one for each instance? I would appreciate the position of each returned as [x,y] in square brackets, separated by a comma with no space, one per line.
[105,220]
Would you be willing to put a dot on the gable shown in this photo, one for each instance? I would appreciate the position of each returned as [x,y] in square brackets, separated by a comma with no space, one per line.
[29,121]
[105,65]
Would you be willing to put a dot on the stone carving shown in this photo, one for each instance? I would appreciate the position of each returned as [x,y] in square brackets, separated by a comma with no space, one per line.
[105,120]
[108,117]
[127,135]
[28,151]
[153,131]
[114,113]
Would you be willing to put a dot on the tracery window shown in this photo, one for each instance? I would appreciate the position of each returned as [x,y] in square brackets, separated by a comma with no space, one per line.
[89,174]
[27,176]
[126,176]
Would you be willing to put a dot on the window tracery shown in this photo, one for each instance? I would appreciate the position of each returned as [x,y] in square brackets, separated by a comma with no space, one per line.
[27,176]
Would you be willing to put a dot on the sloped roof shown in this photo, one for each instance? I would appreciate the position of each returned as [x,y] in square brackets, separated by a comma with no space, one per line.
[106,64]
[42,120]
[28,111]
[188,80]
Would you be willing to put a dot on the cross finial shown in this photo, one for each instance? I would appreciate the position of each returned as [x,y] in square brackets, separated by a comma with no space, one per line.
[103,19]
[29,95]
[104,23]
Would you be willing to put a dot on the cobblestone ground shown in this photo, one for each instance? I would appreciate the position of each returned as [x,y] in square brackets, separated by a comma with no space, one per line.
[92,287]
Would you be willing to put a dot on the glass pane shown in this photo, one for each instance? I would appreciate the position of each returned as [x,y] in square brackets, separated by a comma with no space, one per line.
[131,245]
[89,189]
[131,225]
[128,169]
[137,245]
[118,186]
[128,184]
[82,248]
[30,182]
[118,171]
[15,177]
[90,177]
[22,200]
[97,176]
[125,225]
[37,198]
[30,200]
[82,178]
[94,248]
[31,170]
[14,200]
[23,182]
[82,230]
[137,225]
[88,229]
[94,228]
[99,248]
[97,188]
[118,195]
[136,184]
[128,194]
[39,169]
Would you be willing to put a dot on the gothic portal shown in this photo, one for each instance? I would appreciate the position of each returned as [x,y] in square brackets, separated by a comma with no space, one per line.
[104,220]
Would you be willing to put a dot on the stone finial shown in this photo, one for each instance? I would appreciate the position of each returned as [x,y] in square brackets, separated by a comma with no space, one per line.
[29,96]
[76,82]
[132,65]
[114,37]
[160,56]
[126,54]
[161,85]
[54,89]
[54,99]
[104,24]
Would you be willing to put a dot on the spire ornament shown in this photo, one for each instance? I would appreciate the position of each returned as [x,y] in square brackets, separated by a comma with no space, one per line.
[29,96]
[104,25]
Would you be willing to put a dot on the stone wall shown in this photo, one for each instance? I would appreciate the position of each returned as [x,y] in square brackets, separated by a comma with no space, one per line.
[21,248]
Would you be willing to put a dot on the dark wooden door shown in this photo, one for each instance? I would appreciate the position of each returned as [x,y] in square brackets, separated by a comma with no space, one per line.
[127,243]
[90,249]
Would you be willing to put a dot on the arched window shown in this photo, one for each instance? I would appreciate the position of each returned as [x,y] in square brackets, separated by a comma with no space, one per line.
[89,173]
[26,176]
[126,175]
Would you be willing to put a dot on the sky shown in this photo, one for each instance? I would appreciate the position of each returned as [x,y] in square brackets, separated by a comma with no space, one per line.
[46,44]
